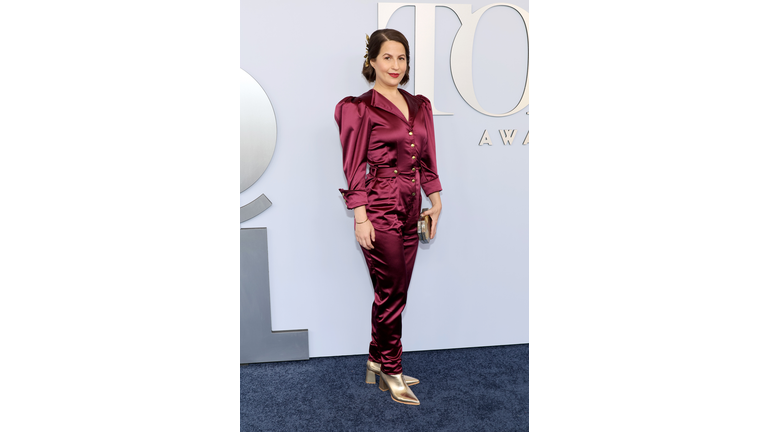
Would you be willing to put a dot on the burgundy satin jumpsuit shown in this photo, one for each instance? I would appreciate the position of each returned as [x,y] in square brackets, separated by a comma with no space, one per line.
[401,156]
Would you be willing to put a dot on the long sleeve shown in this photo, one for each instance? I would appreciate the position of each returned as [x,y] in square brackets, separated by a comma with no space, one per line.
[354,131]
[430,181]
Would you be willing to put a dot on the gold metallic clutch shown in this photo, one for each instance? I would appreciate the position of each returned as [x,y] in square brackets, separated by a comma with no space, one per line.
[424,227]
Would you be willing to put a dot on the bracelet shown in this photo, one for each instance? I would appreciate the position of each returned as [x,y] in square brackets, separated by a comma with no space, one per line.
[366,220]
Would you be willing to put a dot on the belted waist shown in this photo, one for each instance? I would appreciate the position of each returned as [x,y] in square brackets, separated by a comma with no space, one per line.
[386,171]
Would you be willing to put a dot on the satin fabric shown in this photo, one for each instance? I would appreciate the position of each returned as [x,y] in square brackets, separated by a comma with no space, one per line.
[400,154]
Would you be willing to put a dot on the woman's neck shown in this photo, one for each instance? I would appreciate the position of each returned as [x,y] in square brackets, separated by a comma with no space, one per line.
[388,92]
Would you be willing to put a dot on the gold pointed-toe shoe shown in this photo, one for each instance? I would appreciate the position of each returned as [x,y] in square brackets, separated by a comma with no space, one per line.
[372,369]
[399,391]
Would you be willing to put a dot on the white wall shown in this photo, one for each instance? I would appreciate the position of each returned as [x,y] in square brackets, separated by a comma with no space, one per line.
[470,285]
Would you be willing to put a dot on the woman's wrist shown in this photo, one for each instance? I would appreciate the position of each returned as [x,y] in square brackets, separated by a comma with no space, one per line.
[360,215]
[434,198]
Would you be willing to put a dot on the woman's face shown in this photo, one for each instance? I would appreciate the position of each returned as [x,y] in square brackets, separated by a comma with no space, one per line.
[390,65]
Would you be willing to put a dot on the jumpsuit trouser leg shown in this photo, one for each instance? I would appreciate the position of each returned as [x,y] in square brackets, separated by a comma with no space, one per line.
[390,264]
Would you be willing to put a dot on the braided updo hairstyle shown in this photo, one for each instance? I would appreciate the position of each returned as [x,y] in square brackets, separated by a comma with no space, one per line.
[374,46]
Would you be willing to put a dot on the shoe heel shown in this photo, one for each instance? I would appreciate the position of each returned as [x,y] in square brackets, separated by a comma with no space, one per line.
[370,377]
[382,384]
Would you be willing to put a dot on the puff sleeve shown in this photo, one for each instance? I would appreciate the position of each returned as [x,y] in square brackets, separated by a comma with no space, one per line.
[430,181]
[354,131]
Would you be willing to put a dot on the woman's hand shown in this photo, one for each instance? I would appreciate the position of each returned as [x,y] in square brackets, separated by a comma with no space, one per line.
[364,232]
[434,212]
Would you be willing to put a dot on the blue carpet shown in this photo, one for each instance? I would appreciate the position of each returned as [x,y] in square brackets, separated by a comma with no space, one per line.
[468,389]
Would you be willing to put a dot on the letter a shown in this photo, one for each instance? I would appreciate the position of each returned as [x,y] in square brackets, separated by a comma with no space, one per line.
[485,139]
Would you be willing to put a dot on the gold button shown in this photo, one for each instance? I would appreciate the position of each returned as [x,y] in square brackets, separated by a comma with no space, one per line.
[395,171]
[414,194]
[413,169]
[413,145]
[410,133]
[413,180]
[413,157]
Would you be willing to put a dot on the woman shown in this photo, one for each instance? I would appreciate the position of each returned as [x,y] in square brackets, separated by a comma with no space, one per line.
[392,132]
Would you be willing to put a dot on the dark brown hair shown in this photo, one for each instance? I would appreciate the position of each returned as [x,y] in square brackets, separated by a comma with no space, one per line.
[375,42]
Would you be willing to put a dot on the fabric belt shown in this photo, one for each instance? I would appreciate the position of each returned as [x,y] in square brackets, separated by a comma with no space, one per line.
[386,171]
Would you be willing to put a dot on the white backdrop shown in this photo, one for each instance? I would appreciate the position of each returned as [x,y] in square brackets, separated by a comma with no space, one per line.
[470,285]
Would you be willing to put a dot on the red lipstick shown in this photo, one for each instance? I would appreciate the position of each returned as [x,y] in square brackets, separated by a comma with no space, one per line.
[394,75]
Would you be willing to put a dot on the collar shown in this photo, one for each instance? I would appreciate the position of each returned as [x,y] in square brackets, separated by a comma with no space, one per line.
[380,101]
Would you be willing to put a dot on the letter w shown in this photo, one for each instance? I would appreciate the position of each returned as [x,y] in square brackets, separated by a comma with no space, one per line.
[507,135]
